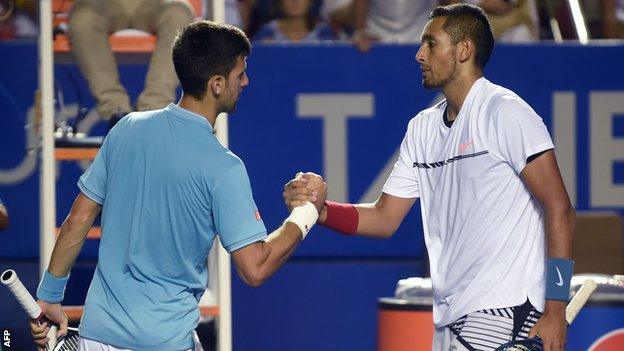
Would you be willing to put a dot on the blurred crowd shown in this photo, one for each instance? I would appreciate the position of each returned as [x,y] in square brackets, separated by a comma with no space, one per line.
[366,21]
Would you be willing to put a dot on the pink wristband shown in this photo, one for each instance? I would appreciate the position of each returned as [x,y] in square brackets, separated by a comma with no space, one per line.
[342,218]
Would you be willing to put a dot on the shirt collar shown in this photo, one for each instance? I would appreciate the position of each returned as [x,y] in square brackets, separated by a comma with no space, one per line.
[187,115]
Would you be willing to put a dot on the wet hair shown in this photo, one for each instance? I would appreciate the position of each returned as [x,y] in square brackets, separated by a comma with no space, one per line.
[465,21]
[204,49]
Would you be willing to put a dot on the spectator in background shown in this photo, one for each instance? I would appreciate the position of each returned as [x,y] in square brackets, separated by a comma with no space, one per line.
[17,19]
[338,13]
[4,216]
[612,18]
[385,20]
[512,21]
[237,12]
[295,22]
[91,22]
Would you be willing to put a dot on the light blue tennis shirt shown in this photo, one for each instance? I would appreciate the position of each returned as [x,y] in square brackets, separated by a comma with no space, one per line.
[167,187]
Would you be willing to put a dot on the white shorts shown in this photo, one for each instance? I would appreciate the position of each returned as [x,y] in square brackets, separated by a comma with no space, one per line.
[92,345]
[330,6]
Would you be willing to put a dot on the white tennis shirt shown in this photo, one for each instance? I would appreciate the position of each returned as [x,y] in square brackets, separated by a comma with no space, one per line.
[484,231]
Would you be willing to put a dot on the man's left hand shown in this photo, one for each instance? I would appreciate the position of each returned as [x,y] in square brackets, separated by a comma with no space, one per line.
[552,327]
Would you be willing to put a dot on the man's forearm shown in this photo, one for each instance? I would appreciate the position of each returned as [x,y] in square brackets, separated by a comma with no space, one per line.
[374,221]
[378,220]
[67,247]
[560,238]
[72,235]
[281,244]
[258,261]
[560,231]
[272,253]
[371,221]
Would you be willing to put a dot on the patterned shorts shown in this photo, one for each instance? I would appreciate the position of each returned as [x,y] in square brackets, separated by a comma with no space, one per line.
[487,329]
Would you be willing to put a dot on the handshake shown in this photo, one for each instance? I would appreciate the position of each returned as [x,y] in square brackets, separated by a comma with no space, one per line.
[306,187]
[305,196]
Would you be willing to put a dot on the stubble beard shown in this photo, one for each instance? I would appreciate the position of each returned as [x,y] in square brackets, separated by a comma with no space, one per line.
[435,84]
[232,108]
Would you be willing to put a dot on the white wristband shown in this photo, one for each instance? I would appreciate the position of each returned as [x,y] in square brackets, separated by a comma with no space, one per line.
[303,217]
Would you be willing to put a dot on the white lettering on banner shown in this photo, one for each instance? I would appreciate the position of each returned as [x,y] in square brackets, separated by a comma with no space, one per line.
[564,135]
[334,110]
[604,149]
[374,190]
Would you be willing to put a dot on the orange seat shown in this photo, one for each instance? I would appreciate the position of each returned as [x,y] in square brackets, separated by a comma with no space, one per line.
[67,154]
[136,43]
[126,43]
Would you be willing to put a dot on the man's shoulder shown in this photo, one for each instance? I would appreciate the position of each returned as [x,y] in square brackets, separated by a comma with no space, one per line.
[222,161]
[435,110]
[230,167]
[137,117]
[230,159]
[428,114]
[496,96]
[502,105]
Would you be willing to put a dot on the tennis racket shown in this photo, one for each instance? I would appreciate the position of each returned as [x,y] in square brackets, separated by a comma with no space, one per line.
[67,342]
[573,308]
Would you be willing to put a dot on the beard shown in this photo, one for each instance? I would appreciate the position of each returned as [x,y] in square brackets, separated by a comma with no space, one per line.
[433,83]
[231,108]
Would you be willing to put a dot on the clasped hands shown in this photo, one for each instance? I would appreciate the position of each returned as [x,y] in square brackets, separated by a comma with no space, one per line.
[306,187]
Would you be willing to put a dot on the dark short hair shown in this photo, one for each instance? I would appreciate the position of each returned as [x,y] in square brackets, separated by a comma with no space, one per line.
[465,21]
[203,49]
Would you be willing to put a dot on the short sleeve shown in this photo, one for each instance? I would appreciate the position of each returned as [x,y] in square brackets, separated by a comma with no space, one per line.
[93,181]
[519,133]
[403,181]
[236,216]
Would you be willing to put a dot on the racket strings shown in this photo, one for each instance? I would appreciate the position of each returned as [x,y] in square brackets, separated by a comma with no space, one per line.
[69,342]
[534,344]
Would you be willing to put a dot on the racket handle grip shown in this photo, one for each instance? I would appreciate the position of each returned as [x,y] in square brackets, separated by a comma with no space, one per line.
[52,339]
[10,279]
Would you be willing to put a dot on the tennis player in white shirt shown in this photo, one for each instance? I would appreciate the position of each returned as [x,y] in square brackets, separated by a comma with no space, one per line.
[498,222]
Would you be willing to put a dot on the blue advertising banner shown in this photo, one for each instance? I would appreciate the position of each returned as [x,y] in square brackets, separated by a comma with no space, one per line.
[335,111]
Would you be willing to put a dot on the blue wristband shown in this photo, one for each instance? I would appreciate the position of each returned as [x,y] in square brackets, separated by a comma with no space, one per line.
[52,289]
[558,276]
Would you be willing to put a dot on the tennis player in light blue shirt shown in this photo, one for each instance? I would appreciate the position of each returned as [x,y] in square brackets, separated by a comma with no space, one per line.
[165,188]
[160,216]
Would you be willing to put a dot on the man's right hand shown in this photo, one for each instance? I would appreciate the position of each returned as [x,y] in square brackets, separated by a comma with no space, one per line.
[55,314]
[305,187]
